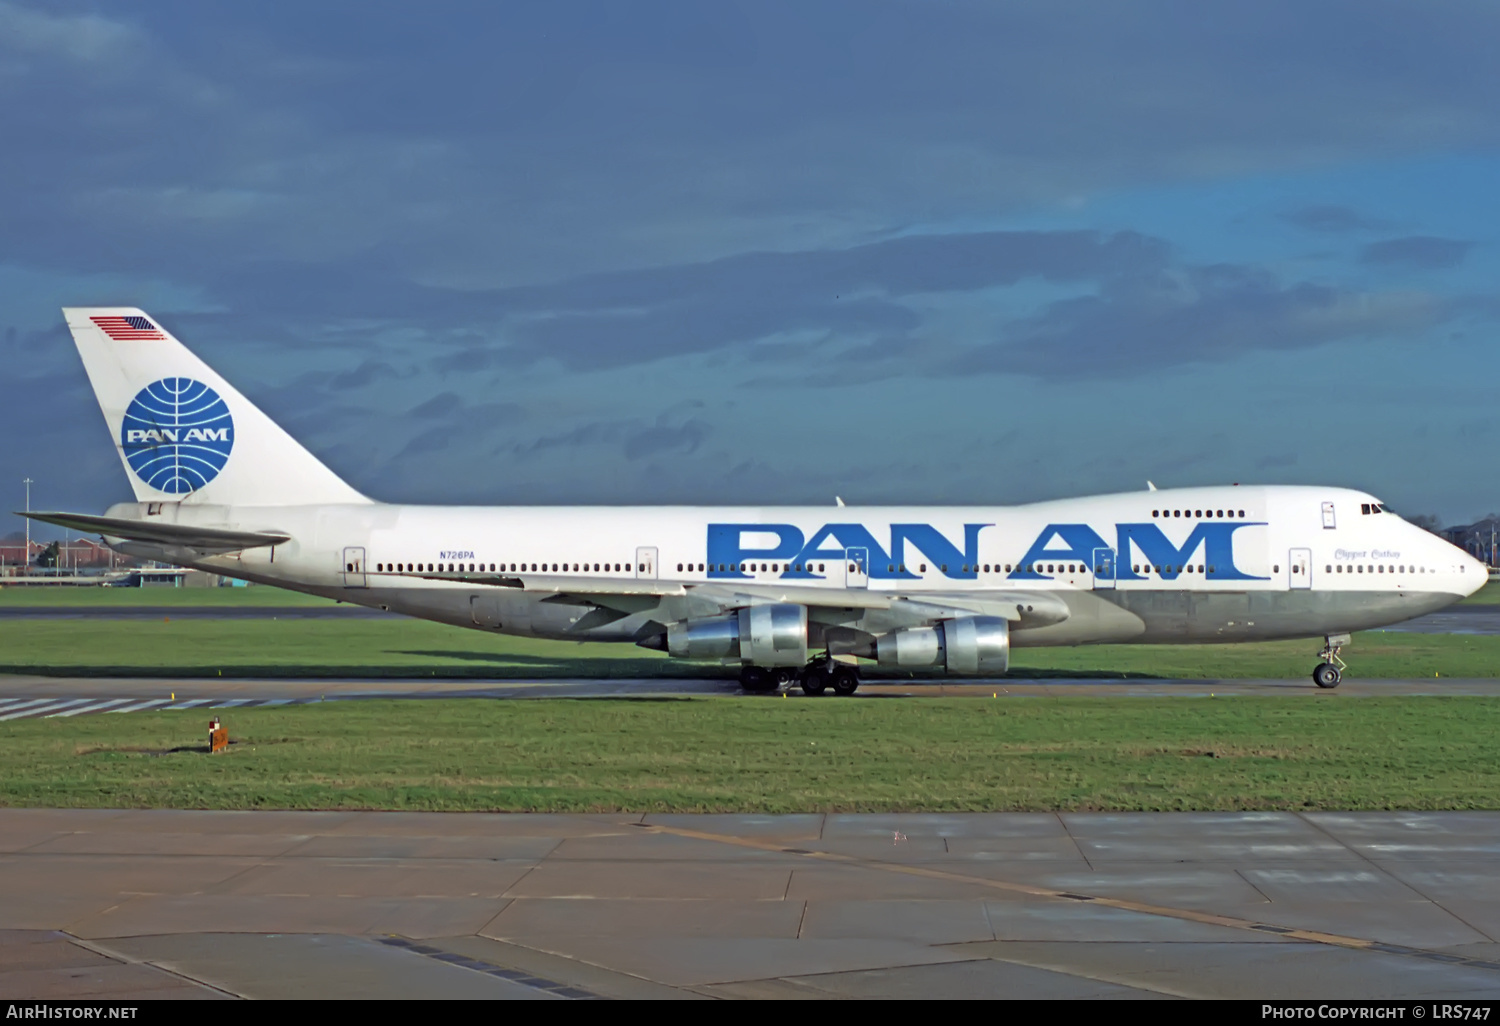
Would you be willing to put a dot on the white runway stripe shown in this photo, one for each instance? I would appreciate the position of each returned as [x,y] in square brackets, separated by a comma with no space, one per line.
[191,704]
[46,707]
[232,703]
[146,704]
[278,701]
[15,703]
[23,703]
[96,707]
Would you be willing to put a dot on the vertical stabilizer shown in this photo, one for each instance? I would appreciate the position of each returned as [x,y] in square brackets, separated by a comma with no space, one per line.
[184,433]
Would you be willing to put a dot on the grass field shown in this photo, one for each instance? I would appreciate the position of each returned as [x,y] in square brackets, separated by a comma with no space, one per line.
[414,648]
[117,598]
[767,755]
[1489,595]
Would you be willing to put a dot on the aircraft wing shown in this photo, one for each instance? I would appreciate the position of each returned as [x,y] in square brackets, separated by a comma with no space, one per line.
[202,540]
[686,599]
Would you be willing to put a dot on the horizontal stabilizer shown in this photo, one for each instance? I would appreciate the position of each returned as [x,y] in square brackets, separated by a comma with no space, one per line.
[202,539]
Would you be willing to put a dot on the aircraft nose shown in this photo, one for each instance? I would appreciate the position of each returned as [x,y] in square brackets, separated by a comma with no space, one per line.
[1476,575]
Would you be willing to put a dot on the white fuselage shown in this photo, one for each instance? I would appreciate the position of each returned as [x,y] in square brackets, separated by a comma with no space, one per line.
[1198,564]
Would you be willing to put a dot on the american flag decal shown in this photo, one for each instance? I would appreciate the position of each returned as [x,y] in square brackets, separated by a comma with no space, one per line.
[128,329]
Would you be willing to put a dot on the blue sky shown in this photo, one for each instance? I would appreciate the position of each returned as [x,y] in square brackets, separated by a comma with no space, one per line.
[899,252]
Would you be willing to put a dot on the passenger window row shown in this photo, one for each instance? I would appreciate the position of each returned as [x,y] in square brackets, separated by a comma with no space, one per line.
[480,568]
[1376,568]
[1200,514]
[749,568]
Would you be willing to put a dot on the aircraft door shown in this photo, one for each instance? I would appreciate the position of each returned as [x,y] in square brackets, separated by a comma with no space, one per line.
[1299,568]
[485,610]
[354,568]
[645,563]
[1104,569]
[856,568]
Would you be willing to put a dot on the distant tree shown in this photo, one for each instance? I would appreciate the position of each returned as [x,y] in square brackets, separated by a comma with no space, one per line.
[48,556]
[1426,521]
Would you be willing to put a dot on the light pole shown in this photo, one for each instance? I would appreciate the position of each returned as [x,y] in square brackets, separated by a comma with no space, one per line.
[26,558]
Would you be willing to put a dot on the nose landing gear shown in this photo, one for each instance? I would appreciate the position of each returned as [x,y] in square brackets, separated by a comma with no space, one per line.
[1331,671]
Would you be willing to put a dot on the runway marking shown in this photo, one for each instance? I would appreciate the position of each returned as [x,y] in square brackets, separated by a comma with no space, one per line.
[143,704]
[25,703]
[94,708]
[49,708]
[1124,904]
[48,705]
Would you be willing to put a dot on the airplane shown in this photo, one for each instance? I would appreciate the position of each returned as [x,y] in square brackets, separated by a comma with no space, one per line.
[793,596]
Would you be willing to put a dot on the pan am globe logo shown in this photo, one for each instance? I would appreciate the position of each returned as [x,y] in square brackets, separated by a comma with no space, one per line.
[177,435]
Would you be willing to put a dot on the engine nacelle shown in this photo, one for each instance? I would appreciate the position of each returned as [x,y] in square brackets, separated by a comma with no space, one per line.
[771,635]
[967,645]
[717,638]
[774,635]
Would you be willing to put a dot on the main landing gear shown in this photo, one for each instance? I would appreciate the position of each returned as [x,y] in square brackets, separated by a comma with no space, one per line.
[1331,670]
[815,678]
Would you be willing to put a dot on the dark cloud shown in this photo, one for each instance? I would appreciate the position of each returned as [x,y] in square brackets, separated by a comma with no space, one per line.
[640,316]
[432,440]
[367,373]
[1200,315]
[444,404]
[1332,219]
[1425,252]
[663,438]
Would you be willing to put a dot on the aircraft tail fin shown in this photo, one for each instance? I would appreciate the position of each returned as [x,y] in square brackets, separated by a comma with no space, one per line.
[183,433]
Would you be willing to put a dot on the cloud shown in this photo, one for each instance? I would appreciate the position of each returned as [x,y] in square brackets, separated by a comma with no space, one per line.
[1332,219]
[441,405]
[83,38]
[1198,315]
[1425,252]
[635,317]
[367,373]
[664,438]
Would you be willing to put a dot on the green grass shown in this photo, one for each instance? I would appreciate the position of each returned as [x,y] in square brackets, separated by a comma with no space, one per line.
[417,648]
[57,597]
[1323,751]
[404,648]
[1489,595]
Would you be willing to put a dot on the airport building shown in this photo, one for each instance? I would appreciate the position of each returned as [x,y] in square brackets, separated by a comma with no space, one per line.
[1480,539]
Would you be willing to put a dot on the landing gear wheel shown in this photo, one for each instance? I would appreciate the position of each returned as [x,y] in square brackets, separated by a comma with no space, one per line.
[1331,670]
[815,680]
[845,681]
[1327,676]
[781,676]
[756,680]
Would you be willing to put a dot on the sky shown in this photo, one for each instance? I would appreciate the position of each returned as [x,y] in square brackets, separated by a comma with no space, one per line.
[762,253]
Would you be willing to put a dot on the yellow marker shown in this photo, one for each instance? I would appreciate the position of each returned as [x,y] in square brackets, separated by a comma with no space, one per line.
[174,696]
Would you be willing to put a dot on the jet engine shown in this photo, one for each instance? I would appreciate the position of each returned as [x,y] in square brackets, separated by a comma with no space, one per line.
[967,645]
[769,635]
